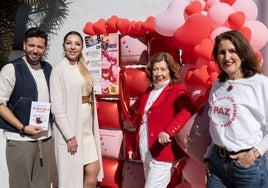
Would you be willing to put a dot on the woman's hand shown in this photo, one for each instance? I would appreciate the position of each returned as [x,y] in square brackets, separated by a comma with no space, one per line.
[72,145]
[247,158]
[130,155]
[164,138]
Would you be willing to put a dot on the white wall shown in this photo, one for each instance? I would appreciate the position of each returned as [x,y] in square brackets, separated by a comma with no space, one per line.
[83,11]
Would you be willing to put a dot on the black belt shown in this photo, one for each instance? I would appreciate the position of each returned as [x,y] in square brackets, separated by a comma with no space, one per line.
[224,153]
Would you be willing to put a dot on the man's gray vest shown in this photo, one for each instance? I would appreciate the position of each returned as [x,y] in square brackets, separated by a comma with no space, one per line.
[24,92]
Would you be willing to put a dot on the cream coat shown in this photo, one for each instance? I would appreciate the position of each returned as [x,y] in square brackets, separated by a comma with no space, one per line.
[66,105]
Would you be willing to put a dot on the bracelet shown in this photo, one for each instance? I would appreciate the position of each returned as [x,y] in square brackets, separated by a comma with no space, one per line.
[22,130]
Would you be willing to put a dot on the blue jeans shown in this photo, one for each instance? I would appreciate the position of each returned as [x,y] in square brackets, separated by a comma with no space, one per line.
[225,173]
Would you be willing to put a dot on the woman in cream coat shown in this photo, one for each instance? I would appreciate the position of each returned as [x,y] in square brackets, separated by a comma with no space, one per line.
[76,131]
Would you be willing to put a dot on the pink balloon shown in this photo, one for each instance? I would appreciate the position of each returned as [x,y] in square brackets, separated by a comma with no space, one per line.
[218,31]
[210,3]
[194,137]
[259,34]
[167,22]
[194,174]
[249,7]
[219,13]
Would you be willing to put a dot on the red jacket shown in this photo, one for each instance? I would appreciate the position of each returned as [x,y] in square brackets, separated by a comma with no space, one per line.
[169,113]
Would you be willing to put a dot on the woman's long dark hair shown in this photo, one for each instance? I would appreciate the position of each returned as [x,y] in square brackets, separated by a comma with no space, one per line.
[250,64]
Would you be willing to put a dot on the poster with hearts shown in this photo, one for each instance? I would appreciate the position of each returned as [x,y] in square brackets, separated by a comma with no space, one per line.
[101,55]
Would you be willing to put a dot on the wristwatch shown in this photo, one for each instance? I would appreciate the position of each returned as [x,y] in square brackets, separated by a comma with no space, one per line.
[22,130]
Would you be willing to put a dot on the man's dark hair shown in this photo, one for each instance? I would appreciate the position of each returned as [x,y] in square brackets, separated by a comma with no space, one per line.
[36,32]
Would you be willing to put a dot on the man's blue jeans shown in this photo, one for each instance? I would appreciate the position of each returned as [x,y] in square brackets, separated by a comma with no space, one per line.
[225,173]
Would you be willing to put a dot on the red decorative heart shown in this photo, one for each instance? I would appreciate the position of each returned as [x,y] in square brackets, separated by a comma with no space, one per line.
[192,32]
[204,49]
[193,8]
[88,29]
[236,20]
[100,26]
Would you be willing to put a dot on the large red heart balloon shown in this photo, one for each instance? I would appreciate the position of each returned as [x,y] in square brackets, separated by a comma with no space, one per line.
[192,32]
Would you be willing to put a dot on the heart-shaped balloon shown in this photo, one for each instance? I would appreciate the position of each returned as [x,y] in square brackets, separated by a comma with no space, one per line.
[230,2]
[192,32]
[249,8]
[88,29]
[246,31]
[236,20]
[123,25]
[148,24]
[204,49]
[194,8]
[100,26]
[111,24]
[167,22]
[198,76]
[194,137]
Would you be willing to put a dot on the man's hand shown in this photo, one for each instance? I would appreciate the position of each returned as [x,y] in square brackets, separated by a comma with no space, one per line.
[33,130]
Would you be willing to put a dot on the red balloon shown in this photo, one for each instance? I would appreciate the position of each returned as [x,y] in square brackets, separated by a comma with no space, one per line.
[230,2]
[100,26]
[111,24]
[236,20]
[104,110]
[132,83]
[192,32]
[88,29]
[149,24]
[194,8]
[112,173]
[204,49]
[123,25]
[198,76]
[246,32]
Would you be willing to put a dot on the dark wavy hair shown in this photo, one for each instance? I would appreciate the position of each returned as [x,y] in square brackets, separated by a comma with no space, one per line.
[250,64]
[36,32]
[173,66]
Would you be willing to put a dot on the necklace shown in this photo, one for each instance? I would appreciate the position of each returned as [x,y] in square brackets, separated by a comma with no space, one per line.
[230,87]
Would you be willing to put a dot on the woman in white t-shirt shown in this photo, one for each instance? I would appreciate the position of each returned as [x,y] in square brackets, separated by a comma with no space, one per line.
[238,117]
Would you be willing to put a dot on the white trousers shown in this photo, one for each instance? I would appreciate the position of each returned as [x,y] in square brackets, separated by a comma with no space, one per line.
[157,173]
